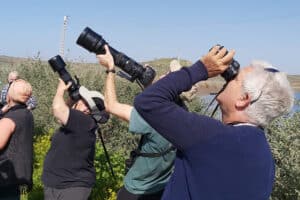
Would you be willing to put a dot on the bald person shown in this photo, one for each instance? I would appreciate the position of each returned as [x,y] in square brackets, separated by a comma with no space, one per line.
[16,141]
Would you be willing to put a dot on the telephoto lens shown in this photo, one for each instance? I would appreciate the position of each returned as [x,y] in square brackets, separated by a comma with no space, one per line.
[94,43]
[58,65]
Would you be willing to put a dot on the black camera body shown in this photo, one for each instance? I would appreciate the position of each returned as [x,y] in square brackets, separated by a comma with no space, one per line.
[94,43]
[233,69]
[231,72]
[58,65]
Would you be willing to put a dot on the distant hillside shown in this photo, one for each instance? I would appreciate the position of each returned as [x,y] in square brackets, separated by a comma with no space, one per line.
[161,66]
[295,82]
[11,60]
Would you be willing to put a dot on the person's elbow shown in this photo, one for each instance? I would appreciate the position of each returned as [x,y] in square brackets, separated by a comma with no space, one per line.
[57,109]
[112,105]
[61,113]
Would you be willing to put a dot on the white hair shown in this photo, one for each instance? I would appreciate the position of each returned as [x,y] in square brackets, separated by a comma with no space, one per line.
[270,93]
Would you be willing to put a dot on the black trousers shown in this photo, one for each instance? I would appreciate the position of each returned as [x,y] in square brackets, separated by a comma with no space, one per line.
[123,194]
[74,193]
[10,193]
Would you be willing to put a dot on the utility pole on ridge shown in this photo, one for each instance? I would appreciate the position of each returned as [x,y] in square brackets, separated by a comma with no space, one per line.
[62,42]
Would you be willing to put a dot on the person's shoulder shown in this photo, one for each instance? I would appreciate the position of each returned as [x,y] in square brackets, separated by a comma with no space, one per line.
[80,117]
[20,114]
[138,125]
[77,114]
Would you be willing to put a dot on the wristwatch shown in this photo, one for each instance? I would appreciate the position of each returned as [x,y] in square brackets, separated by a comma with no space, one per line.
[110,70]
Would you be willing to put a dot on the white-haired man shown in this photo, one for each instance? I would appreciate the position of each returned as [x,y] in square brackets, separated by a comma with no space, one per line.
[219,160]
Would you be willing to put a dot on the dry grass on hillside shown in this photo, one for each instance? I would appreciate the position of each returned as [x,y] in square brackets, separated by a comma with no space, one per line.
[161,66]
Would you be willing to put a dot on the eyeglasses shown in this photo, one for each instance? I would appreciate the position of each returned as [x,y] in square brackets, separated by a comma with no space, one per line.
[271,70]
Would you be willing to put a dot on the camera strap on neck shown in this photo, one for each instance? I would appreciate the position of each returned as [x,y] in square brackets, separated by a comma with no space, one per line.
[212,101]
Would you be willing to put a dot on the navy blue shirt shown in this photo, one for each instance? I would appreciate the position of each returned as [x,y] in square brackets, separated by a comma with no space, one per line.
[70,159]
[214,160]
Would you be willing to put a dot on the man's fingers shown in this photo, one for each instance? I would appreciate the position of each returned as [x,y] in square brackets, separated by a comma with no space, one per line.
[66,86]
[228,58]
[61,81]
[214,50]
[221,53]
[106,49]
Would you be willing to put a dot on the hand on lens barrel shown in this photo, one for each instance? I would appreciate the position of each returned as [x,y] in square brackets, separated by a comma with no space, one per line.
[62,87]
[106,59]
[217,61]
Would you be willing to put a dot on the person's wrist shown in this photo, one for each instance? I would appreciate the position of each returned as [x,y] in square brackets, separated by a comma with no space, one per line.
[60,92]
[110,70]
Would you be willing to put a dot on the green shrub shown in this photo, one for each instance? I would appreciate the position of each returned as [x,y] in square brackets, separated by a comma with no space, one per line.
[284,138]
[106,185]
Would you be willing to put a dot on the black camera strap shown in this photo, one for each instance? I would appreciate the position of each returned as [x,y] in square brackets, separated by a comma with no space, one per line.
[212,101]
[137,152]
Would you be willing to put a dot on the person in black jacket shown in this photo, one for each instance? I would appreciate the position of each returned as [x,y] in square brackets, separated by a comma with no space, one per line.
[16,141]
[69,171]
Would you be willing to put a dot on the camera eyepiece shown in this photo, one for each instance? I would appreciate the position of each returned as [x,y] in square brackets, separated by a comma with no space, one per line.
[94,43]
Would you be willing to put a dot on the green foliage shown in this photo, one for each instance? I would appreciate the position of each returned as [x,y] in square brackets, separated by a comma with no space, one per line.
[284,138]
[41,146]
[107,185]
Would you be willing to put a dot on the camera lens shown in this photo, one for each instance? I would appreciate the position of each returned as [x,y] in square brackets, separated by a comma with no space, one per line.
[94,43]
[57,63]
[91,41]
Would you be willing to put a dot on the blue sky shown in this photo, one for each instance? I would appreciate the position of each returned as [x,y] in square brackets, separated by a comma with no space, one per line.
[145,30]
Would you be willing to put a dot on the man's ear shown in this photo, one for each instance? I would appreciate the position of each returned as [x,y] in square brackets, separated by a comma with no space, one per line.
[243,102]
